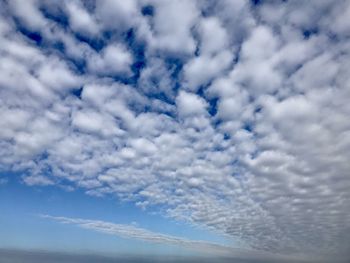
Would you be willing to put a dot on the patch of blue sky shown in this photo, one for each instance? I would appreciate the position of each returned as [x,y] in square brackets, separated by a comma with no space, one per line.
[22,227]
[137,47]
[148,10]
[56,14]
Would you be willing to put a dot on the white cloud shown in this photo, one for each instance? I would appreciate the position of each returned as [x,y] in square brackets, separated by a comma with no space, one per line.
[114,59]
[213,36]
[172,26]
[341,24]
[37,180]
[255,69]
[28,12]
[214,54]
[260,155]
[132,231]
[117,14]
[56,74]
[80,19]
[135,232]
[189,104]
[95,122]
[143,146]
[200,70]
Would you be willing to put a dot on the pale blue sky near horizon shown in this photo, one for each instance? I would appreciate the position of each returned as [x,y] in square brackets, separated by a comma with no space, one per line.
[22,227]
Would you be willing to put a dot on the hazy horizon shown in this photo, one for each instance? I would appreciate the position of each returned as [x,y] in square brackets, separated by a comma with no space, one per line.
[37,256]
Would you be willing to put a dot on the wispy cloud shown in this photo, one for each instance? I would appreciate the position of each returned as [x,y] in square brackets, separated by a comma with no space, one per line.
[134,232]
[3,181]
[131,231]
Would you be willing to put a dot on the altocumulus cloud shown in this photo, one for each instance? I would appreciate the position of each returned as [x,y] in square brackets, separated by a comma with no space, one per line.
[230,115]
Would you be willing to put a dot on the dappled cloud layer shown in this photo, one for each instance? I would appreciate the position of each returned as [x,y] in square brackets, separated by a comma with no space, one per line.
[229,115]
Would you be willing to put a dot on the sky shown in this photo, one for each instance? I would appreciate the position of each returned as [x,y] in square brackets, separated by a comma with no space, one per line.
[162,128]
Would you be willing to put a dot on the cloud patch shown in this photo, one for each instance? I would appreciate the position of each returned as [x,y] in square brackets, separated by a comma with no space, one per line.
[135,232]
[228,115]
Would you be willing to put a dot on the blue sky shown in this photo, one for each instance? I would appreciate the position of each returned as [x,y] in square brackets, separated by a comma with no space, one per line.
[175,127]
[25,228]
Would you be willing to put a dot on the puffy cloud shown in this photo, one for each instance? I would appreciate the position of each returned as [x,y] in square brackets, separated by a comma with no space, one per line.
[113,59]
[213,35]
[28,13]
[117,14]
[341,24]
[80,19]
[214,54]
[95,122]
[172,25]
[57,75]
[221,114]
[255,69]
[200,70]
[189,104]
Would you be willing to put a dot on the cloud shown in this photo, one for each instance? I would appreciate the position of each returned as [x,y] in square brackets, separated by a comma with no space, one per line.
[80,19]
[131,231]
[172,26]
[117,15]
[113,59]
[188,104]
[37,180]
[213,36]
[28,13]
[227,115]
[3,181]
[200,70]
[135,232]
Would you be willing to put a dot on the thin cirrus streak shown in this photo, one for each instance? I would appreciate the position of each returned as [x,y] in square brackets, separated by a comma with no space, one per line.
[130,231]
[207,248]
